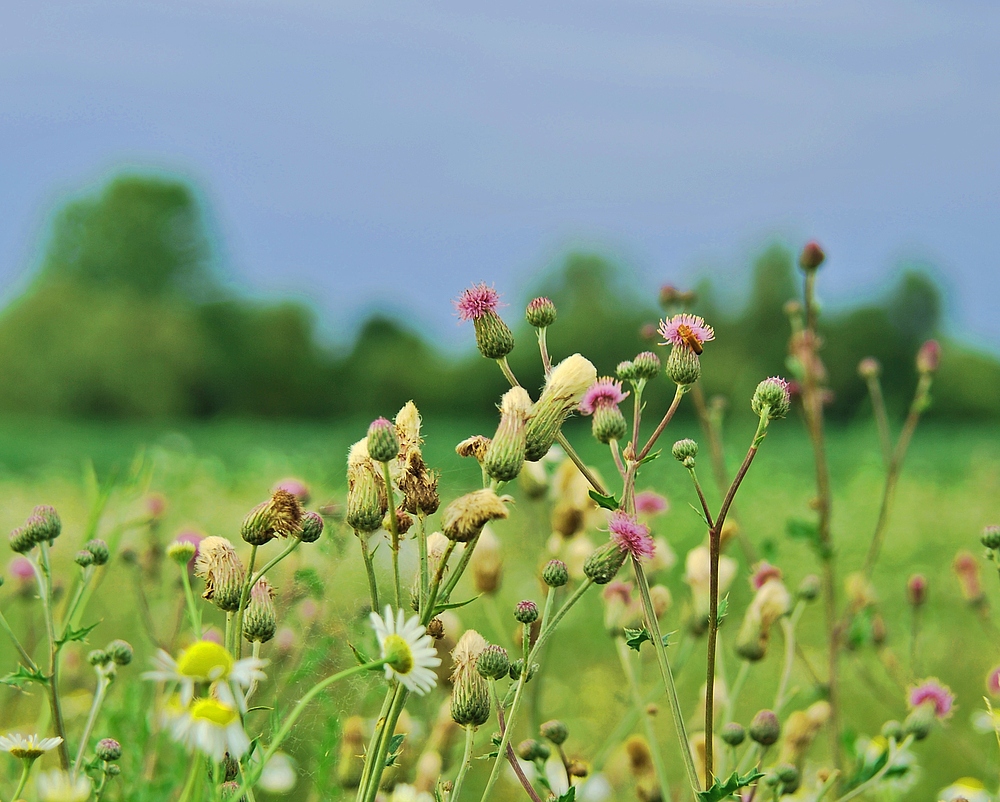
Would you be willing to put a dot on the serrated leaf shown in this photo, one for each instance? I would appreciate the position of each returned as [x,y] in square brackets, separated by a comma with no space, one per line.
[440,608]
[727,789]
[634,638]
[569,796]
[607,502]
[395,744]
[720,616]
[651,457]
[21,677]
[71,635]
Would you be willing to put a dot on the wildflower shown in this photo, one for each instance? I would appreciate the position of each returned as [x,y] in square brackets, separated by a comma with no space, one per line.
[541,313]
[470,699]
[684,450]
[649,502]
[383,442]
[564,389]
[466,516]
[812,256]
[61,786]
[43,524]
[280,516]
[407,649]
[479,304]
[929,357]
[418,485]
[486,562]
[916,590]
[208,725]
[504,455]
[27,747]
[765,728]
[631,535]
[771,399]
[205,662]
[407,422]
[686,331]
[601,400]
[259,621]
[219,565]
[932,694]
[604,564]
[296,487]
[311,528]
[367,501]
[108,749]
[764,572]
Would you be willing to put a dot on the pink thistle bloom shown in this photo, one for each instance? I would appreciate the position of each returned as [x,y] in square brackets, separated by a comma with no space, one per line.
[20,568]
[764,572]
[993,682]
[619,590]
[931,691]
[476,302]
[605,393]
[296,487]
[681,329]
[648,502]
[631,535]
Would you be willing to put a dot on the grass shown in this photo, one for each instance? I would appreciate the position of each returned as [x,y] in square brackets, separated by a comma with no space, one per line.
[211,474]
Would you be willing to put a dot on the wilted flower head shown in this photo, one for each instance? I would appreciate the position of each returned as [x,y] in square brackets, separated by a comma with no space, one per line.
[686,331]
[466,516]
[649,502]
[631,535]
[367,501]
[504,455]
[604,393]
[932,693]
[219,565]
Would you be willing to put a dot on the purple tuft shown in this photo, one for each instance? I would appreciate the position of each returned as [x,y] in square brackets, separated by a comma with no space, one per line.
[764,572]
[477,301]
[931,691]
[296,487]
[670,330]
[605,393]
[631,535]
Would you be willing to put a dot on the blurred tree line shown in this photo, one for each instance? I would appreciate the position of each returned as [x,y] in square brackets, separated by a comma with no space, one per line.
[126,318]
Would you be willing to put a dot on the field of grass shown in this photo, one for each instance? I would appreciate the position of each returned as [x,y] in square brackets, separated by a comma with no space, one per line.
[210,475]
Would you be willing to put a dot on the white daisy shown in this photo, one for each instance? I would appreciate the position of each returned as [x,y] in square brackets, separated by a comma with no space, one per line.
[208,725]
[207,662]
[59,786]
[29,747]
[408,649]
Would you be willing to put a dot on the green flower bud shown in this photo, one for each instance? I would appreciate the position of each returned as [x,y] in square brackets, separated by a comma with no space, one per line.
[733,734]
[312,527]
[626,371]
[84,558]
[259,621]
[541,313]
[108,749]
[98,657]
[493,338]
[892,731]
[493,662]
[44,523]
[383,442]
[609,424]
[120,652]
[809,588]
[21,540]
[555,731]
[555,574]
[771,396]
[683,366]
[765,728]
[181,551]
[869,368]
[788,776]
[505,454]
[646,365]
[99,550]
[518,666]
[113,770]
[812,256]
[526,612]
[604,563]
[367,500]
[920,722]
[532,750]
[991,537]
[684,449]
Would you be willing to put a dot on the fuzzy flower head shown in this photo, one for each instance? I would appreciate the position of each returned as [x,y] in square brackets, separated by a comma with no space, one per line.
[408,650]
[686,331]
[477,301]
[631,535]
[932,693]
[27,747]
[605,393]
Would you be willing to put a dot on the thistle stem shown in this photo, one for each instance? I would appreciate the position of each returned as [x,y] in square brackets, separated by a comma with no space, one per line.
[295,543]
[470,736]
[369,569]
[881,418]
[193,774]
[28,662]
[393,534]
[543,350]
[678,395]
[237,646]
[103,682]
[192,606]
[872,781]
[43,575]
[390,694]
[388,728]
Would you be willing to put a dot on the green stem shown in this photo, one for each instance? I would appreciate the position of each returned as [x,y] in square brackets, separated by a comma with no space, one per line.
[470,736]
[25,771]
[103,682]
[424,569]
[44,576]
[881,418]
[74,604]
[654,745]
[369,569]
[678,395]
[193,774]
[390,694]
[295,543]
[244,598]
[543,350]
[192,606]
[389,727]
[788,628]
[505,739]
[456,575]
[587,473]
[734,694]
[28,662]
[393,534]
[894,750]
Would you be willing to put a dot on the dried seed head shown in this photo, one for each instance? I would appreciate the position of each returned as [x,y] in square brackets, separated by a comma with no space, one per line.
[219,565]
[418,485]
[466,516]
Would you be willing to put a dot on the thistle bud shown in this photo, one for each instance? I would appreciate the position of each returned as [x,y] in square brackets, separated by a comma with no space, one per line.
[684,450]
[493,662]
[919,722]
[44,523]
[541,313]
[991,537]
[771,398]
[565,386]
[812,256]
[555,731]
[929,357]
[98,657]
[367,501]
[765,728]
[181,551]
[281,516]
[555,574]
[486,562]
[120,652]
[466,516]
[311,527]
[626,371]
[22,540]
[532,750]
[108,749]
[683,366]
[526,612]
[604,563]
[809,588]
[869,368]
[517,667]
[84,558]
[383,443]
[505,455]
[770,603]
[99,551]
[646,365]
[916,590]
[733,734]
[259,621]
[219,565]
[470,698]
[609,424]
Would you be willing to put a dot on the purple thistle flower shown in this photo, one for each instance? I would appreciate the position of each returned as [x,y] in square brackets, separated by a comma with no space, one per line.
[477,301]
[649,502]
[630,535]
[605,393]
[683,328]
[931,691]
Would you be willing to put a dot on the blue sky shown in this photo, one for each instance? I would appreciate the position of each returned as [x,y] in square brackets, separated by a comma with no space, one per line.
[360,154]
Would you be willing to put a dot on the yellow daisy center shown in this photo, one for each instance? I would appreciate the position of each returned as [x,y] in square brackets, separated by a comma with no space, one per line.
[27,751]
[205,659]
[397,654]
[213,711]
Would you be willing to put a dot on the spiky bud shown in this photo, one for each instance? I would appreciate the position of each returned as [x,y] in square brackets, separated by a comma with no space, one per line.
[626,371]
[311,527]
[564,388]
[765,728]
[44,523]
[532,750]
[466,516]
[608,424]
[684,449]
[526,612]
[683,366]
[919,722]
[181,551]
[505,455]
[259,620]
[771,398]
[555,574]
[733,734]
[99,551]
[493,662]
[470,698]
[812,256]
[383,443]
[493,337]
[113,770]
[646,365]
[517,667]
[929,357]
[108,749]
[98,657]
[84,558]
[367,500]
[604,563]
[541,313]
[22,540]
[555,731]
[120,652]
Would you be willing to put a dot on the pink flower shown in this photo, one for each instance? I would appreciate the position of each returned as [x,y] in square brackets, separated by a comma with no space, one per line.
[296,487]
[649,503]
[477,301]
[764,572]
[631,535]
[20,568]
[682,328]
[605,393]
[931,691]
[993,682]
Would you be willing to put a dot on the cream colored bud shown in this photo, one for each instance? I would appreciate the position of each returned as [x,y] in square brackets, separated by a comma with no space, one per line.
[219,565]
[505,455]
[466,516]
[367,501]
[564,388]
[408,428]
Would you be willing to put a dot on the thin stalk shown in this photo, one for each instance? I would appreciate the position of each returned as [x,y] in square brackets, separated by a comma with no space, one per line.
[74,603]
[613,445]
[193,774]
[424,565]
[25,771]
[701,497]
[877,776]
[393,534]
[432,594]
[192,606]
[470,737]
[103,682]
[638,387]
[661,771]
[512,759]
[737,689]
[388,729]
[788,629]
[44,576]
[915,642]
[543,350]
[295,543]
[678,395]
[244,598]
[369,569]
[456,575]
[390,694]
[505,738]
[881,418]
[25,657]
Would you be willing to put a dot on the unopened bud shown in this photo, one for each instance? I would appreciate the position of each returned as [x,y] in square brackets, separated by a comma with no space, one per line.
[383,443]
[98,657]
[684,449]
[812,256]
[517,667]
[108,749]
[120,652]
[470,699]
[493,662]
[626,371]
[892,731]
[181,551]
[493,338]
[367,501]
[771,398]
[991,537]
[809,587]
[869,368]
[765,728]
[259,620]
[84,558]
[929,357]
[733,733]
[526,612]
[532,750]
[916,590]
[609,424]
[683,366]
[646,365]
[555,731]
[311,527]
[541,313]
[555,574]
[99,550]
